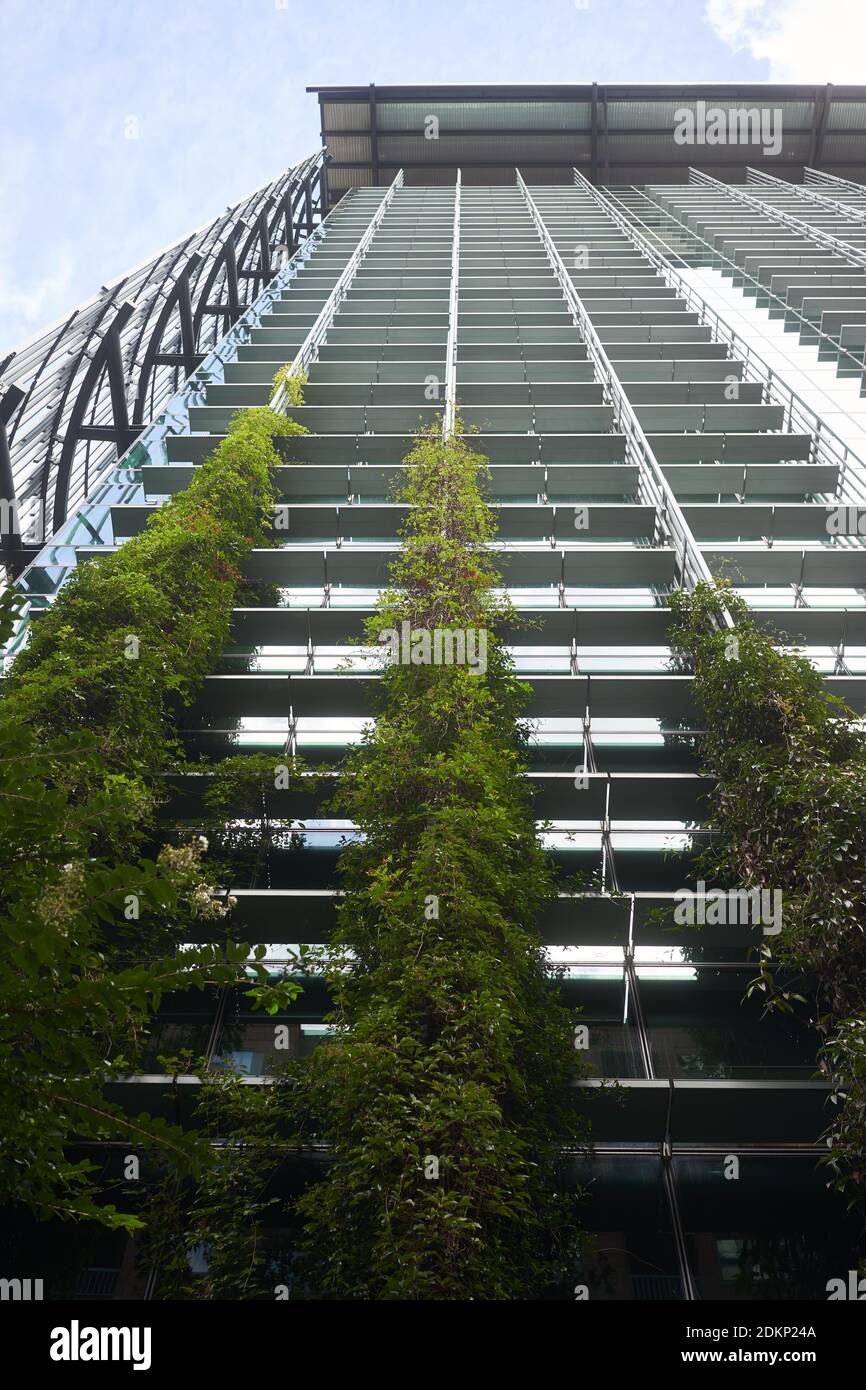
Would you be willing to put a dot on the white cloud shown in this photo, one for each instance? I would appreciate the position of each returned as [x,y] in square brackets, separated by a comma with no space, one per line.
[800,40]
[28,309]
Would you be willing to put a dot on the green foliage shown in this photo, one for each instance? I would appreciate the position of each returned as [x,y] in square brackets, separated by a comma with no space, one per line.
[294,384]
[76,1004]
[89,926]
[11,602]
[222,1211]
[790,808]
[444,1093]
[245,807]
[132,636]
[449,1043]
[844,1059]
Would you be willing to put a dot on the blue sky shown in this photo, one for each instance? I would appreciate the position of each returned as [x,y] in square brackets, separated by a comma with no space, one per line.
[217,90]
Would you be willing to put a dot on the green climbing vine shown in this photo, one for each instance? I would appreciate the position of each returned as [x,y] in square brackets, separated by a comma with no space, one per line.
[92,906]
[223,1208]
[444,1092]
[132,636]
[294,383]
[789,810]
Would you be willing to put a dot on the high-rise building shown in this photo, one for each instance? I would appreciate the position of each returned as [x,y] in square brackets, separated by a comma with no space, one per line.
[521,260]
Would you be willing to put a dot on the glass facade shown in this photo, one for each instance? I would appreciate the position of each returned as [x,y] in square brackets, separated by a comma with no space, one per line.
[620,468]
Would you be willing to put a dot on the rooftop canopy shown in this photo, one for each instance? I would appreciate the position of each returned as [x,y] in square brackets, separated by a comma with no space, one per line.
[614,133]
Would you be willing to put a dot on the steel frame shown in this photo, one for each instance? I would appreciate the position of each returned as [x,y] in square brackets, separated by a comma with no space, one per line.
[453,303]
[758,178]
[799,416]
[619,128]
[75,397]
[737,193]
[309,349]
[673,526]
[662,243]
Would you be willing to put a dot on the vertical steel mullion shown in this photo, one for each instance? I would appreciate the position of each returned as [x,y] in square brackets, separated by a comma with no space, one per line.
[841,644]
[450,411]
[593,137]
[690,1289]
[324,192]
[10,543]
[589,763]
[610,858]
[218,1023]
[639,1015]
[374,136]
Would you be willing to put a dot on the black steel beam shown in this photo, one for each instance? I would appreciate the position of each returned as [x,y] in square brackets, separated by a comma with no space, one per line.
[108,359]
[180,299]
[758,93]
[518,132]
[83,385]
[10,540]
[741,161]
[826,103]
[374,135]
[259,232]
[325,192]
[227,261]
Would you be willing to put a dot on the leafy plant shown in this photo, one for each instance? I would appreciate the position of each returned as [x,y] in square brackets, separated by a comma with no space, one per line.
[244,809]
[86,732]
[444,1094]
[294,383]
[789,807]
[445,1090]
[221,1212]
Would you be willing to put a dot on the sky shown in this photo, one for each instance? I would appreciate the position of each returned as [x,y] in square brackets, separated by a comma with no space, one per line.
[125,124]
